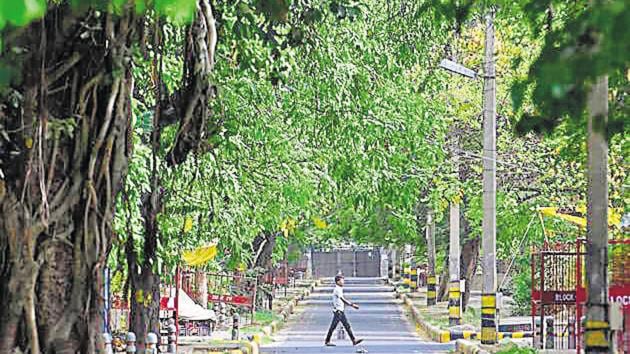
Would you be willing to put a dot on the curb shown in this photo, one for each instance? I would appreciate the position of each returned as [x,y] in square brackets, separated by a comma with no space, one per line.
[288,309]
[290,306]
[434,332]
[444,336]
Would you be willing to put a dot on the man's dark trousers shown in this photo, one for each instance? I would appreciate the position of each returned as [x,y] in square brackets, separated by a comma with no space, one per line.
[339,316]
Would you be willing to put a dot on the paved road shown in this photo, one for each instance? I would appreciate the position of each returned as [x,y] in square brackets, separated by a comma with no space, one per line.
[379,321]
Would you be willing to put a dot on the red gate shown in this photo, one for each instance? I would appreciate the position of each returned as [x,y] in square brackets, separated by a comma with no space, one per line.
[554,283]
[559,293]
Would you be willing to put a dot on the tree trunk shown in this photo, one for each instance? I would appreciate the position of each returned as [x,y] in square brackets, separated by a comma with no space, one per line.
[265,244]
[145,304]
[191,106]
[64,123]
[469,262]
[201,280]
[442,294]
[144,279]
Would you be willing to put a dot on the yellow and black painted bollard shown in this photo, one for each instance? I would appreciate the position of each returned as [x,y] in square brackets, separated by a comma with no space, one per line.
[597,336]
[488,318]
[414,279]
[454,304]
[431,290]
[407,277]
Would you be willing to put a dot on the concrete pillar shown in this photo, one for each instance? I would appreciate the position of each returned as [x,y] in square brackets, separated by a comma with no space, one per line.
[394,263]
[489,184]
[309,263]
[431,277]
[384,273]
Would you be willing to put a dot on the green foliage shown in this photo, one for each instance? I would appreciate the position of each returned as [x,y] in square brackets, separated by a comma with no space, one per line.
[21,12]
[334,111]
[265,317]
[514,349]
[522,289]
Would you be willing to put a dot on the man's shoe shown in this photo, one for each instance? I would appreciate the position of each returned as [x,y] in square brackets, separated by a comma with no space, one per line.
[329,344]
[357,342]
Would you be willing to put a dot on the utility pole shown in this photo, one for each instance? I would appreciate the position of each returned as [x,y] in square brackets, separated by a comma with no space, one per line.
[309,263]
[431,279]
[489,287]
[454,291]
[597,335]
[454,288]
[393,262]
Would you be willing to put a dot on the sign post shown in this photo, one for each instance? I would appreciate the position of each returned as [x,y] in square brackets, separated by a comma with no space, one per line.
[457,68]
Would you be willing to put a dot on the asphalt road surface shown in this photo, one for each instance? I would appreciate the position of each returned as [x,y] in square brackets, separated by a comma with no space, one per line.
[379,321]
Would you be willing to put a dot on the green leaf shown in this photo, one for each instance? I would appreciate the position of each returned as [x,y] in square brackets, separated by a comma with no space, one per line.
[21,12]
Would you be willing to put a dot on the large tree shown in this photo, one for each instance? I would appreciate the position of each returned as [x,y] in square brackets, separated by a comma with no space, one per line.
[65,125]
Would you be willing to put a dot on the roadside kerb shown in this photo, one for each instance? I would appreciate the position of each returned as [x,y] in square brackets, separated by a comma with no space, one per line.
[443,336]
[288,309]
[436,334]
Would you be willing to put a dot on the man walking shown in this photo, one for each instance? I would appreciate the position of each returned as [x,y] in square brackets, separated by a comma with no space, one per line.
[339,302]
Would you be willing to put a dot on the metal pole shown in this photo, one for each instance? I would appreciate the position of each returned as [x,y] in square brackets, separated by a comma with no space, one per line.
[597,335]
[488,299]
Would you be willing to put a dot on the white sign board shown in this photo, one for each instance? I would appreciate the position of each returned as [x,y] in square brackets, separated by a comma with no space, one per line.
[457,68]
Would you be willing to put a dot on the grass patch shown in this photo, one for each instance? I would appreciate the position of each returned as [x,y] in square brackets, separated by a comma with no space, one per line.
[265,317]
[471,316]
[402,290]
[252,329]
[516,350]
[437,321]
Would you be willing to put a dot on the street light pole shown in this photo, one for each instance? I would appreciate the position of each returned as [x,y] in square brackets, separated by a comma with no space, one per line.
[488,297]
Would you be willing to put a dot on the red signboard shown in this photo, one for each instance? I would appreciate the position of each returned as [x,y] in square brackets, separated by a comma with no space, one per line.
[620,294]
[559,297]
[616,293]
[556,296]
[238,300]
